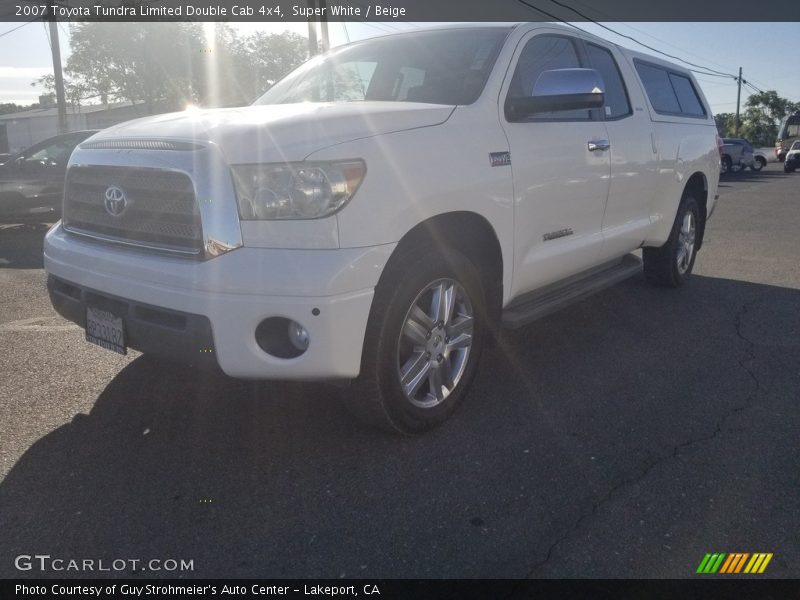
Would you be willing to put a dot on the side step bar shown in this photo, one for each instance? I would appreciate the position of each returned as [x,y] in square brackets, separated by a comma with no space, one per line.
[551,298]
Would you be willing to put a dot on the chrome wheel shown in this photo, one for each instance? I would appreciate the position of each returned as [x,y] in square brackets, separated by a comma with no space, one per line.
[435,343]
[686,237]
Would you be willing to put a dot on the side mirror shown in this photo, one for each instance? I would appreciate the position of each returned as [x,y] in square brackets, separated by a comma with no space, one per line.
[560,89]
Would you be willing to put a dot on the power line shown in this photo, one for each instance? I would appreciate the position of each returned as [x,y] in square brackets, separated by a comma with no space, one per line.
[47,35]
[633,39]
[652,37]
[747,83]
[712,74]
[17,27]
[715,82]
[552,16]
[716,73]
[707,71]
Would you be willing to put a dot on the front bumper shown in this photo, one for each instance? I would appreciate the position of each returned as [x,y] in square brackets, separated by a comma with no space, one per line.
[329,292]
[171,334]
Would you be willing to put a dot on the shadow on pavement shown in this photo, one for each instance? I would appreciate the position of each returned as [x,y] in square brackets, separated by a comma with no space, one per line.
[21,246]
[749,176]
[276,480]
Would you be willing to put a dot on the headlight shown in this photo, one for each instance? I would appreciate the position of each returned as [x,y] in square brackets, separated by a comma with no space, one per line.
[306,190]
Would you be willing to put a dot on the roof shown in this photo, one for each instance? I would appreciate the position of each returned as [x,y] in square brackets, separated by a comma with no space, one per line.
[53,111]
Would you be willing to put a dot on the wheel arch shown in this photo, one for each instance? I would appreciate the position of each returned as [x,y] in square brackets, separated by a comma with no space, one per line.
[467,232]
[697,186]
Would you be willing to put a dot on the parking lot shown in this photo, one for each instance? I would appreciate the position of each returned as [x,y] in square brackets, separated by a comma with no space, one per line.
[625,436]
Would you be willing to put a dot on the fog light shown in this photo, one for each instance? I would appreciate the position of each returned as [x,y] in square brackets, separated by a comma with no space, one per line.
[282,337]
[298,336]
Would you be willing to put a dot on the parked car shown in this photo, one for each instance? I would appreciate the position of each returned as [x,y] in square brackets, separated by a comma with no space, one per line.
[32,182]
[738,154]
[363,221]
[760,159]
[792,158]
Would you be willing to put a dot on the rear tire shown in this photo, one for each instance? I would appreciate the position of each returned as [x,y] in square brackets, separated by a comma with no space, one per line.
[725,165]
[671,264]
[758,164]
[423,341]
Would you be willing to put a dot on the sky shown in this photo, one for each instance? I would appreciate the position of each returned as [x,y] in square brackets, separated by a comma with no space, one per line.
[761,49]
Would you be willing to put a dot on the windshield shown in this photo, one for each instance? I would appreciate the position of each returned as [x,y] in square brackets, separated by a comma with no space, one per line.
[439,67]
[790,127]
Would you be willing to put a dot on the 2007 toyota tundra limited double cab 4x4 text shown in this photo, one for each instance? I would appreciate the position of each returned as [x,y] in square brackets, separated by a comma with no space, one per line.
[381,210]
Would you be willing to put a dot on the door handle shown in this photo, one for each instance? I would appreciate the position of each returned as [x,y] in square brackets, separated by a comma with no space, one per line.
[599,145]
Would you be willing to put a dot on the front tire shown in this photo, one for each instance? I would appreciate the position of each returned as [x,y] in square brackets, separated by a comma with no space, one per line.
[671,264]
[725,165]
[758,164]
[423,342]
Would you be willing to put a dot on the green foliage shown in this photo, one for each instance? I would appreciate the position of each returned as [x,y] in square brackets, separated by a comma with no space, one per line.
[760,118]
[174,64]
[725,124]
[74,92]
[9,107]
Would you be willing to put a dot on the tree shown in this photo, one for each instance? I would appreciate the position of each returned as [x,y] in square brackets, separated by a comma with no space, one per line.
[169,65]
[725,124]
[74,92]
[762,116]
[272,56]
[10,107]
[142,62]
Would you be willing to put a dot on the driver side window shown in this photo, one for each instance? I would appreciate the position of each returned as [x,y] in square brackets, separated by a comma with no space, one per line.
[57,152]
[544,53]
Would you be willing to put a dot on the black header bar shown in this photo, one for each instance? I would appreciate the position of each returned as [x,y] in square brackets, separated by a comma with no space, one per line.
[276,11]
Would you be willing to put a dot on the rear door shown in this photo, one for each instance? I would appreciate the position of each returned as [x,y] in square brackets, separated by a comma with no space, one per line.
[560,186]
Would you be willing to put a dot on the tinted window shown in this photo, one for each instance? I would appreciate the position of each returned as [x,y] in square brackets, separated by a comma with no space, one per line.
[57,151]
[543,53]
[616,98]
[659,89]
[687,96]
[441,67]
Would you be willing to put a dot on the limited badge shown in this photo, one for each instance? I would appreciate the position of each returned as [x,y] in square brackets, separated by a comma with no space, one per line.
[500,159]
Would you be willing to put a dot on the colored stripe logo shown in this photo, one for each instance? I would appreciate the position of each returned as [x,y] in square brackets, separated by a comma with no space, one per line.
[735,562]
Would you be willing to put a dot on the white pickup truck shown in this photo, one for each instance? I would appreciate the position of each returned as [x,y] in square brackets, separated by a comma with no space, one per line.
[382,210]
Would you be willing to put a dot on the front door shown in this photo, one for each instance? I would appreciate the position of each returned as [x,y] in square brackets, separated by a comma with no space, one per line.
[560,184]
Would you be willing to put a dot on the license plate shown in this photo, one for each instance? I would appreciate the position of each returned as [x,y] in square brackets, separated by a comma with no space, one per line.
[105,329]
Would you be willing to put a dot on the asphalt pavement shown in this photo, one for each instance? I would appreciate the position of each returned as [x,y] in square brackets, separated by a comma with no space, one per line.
[625,436]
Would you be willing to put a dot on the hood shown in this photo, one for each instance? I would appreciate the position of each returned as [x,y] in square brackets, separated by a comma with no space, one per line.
[282,132]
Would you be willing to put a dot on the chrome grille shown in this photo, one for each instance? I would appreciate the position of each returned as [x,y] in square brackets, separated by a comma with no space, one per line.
[161,210]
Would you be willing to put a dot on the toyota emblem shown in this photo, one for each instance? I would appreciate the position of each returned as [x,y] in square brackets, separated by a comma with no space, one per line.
[116,202]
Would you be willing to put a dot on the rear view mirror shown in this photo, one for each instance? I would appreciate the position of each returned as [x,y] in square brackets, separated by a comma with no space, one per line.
[561,89]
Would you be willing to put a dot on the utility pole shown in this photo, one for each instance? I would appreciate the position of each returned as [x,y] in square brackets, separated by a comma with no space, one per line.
[313,47]
[738,100]
[323,26]
[58,75]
